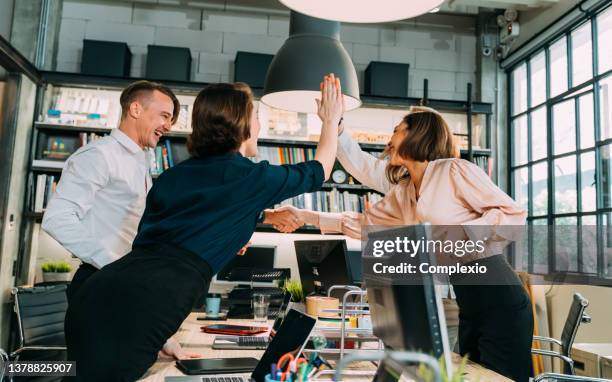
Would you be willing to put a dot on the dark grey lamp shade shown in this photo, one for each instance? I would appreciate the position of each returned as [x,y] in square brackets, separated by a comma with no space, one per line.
[312,50]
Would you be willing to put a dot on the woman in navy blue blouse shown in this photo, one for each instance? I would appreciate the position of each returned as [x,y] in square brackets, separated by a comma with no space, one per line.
[199,214]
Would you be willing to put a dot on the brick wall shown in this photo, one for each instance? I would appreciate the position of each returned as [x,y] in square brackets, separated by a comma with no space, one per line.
[441,48]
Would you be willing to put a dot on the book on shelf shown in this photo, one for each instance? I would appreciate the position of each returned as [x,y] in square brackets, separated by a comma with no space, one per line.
[333,201]
[485,163]
[58,164]
[45,187]
[284,155]
[161,158]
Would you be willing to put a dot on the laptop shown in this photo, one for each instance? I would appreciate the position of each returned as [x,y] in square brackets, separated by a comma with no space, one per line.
[259,342]
[291,337]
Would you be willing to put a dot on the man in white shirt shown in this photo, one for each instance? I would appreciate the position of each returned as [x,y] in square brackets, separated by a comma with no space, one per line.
[102,192]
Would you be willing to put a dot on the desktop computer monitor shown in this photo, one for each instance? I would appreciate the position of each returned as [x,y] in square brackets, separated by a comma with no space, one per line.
[241,268]
[407,316]
[322,263]
[353,259]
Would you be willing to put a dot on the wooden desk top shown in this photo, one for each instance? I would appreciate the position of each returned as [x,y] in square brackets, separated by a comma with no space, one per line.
[192,338]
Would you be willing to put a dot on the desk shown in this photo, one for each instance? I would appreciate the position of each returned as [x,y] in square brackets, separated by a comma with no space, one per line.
[192,338]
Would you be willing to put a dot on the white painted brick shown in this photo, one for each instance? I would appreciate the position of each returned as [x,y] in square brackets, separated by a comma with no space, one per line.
[115,11]
[207,77]
[437,60]
[363,54]
[442,40]
[215,63]
[233,42]
[226,78]
[235,23]
[195,40]
[278,26]
[387,36]
[69,54]
[411,37]
[360,34]
[139,61]
[70,67]
[72,30]
[454,22]
[446,95]
[161,16]
[131,34]
[437,80]
[466,62]
[465,43]
[461,81]
[397,54]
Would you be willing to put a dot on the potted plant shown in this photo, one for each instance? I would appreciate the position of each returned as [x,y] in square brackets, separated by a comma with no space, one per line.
[56,271]
[294,288]
[457,375]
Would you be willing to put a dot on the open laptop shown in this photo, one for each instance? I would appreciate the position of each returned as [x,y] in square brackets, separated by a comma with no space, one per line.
[248,342]
[290,337]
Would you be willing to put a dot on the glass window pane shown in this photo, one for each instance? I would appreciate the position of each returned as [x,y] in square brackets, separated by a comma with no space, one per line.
[582,54]
[537,65]
[564,130]
[586,118]
[604,40]
[565,185]
[566,244]
[539,175]
[540,245]
[539,134]
[606,175]
[558,67]
[519,89]
[519,133]
[605,106]
[588,239]
[587,187]
[521,192]
[607,250]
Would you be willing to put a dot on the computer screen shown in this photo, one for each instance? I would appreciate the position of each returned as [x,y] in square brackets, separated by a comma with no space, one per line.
[407,317]
[322,263]
[242,267]
[354,263]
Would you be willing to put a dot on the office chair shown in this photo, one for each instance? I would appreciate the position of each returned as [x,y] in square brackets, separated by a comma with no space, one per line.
[575,316]
[40,314]
[4,358]
[565,377]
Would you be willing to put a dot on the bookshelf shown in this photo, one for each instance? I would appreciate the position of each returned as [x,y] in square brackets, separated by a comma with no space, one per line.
[333,197]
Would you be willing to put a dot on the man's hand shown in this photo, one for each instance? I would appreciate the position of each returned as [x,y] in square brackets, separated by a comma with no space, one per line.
[172,349]
[284,219]
[244,249]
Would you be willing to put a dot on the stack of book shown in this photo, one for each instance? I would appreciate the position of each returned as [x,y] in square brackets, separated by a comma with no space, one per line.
[85,138]
[333,201]
[485,163]
[45,187]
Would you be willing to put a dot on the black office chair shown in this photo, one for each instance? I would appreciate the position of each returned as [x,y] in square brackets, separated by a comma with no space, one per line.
[4,358]
[575,316]
[40,314]
[567,378]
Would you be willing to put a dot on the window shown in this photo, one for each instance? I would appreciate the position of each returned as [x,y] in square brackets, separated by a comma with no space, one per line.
[561,149]
[558,67]
[604,40]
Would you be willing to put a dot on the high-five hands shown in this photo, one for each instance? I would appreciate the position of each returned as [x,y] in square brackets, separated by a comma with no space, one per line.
[331,105]
[284,219]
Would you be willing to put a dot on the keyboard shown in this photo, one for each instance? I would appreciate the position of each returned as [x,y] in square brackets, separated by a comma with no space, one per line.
[253,341]
[224,379]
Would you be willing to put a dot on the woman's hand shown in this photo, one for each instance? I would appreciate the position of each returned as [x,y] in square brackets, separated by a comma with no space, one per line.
[331,105]
[284,219]
[172,349]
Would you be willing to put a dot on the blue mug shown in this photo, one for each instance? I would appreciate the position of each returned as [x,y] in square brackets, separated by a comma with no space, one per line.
[213,303]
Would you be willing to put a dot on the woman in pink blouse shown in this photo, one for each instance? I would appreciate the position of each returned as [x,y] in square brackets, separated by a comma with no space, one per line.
[425,182]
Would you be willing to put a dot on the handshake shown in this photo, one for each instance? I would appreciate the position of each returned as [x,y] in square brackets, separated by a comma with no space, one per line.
[284,219]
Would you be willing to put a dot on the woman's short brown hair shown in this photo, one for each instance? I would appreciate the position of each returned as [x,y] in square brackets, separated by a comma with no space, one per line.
[429,138]
[221,119]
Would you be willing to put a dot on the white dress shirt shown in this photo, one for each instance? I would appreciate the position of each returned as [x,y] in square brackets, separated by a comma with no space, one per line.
[100,199]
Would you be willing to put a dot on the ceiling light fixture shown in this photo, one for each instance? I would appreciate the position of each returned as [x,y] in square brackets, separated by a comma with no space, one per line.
[312,50]
[363,11]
